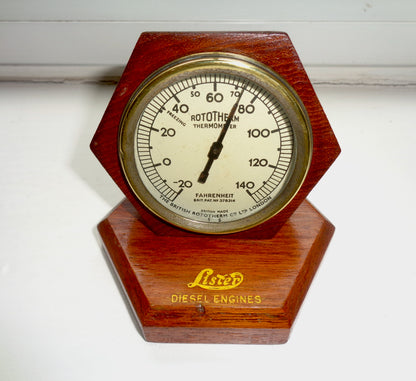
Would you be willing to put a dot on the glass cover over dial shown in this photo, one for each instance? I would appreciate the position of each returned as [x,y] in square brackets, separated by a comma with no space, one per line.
[215,143]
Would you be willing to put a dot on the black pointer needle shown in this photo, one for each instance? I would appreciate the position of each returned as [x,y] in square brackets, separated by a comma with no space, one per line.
[216,147]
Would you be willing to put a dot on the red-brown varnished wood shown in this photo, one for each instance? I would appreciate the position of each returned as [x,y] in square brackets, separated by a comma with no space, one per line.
[270,278]
[273,49]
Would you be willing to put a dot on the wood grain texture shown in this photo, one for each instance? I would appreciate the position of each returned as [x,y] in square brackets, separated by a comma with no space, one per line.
[160,277]
[273,49]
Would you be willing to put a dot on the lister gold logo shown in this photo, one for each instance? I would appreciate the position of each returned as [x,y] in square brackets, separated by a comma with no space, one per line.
[207,280]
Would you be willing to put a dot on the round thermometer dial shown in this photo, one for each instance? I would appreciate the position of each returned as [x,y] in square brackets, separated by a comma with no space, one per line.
[215,143]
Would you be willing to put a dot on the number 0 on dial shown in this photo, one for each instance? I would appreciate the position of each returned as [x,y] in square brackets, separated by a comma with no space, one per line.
[215,143]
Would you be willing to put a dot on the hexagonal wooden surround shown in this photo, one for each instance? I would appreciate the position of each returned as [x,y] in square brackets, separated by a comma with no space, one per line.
[274,49]
[245,287]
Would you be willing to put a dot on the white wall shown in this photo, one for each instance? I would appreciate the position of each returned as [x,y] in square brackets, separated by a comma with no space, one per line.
[355,41]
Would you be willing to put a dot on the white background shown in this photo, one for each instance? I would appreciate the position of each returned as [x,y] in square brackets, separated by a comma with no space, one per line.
[352,41]
[62,315]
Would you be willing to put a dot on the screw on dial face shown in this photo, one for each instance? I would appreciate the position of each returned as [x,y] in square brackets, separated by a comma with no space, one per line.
[253,130]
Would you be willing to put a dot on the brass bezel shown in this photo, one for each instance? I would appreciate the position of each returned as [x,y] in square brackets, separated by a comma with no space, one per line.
[231,64]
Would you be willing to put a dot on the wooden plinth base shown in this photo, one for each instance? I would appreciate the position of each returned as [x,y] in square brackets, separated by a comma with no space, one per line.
[206,289]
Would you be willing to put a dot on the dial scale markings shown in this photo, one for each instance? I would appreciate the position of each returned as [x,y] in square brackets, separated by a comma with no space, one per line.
[160,101]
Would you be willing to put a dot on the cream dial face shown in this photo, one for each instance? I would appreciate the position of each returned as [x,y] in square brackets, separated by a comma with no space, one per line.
[215,149]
